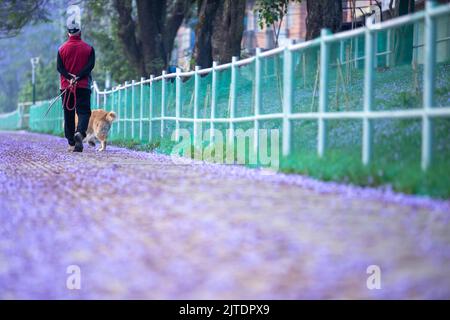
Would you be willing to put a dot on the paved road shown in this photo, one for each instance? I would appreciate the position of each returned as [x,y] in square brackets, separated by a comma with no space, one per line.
[139,226]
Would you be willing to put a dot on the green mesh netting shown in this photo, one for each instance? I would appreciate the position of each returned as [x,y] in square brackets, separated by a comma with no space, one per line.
[272,84]
[306,79]
[54,121]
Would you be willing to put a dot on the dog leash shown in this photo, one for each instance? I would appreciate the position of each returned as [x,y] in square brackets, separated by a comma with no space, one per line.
[71,89]
[53,102]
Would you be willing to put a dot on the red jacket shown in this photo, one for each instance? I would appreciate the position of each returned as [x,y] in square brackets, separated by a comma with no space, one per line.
[76,57]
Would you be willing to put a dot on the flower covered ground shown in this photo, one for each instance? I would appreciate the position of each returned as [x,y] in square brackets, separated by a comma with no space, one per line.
[139,226]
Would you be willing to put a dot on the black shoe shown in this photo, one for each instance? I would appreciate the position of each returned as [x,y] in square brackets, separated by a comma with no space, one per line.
[78,142]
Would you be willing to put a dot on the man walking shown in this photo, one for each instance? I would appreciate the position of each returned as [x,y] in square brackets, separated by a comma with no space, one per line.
[76,59]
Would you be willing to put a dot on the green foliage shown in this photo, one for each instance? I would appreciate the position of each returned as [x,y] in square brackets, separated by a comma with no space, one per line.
[41,40]
[16,14]
[406,98]
[100,29]
[345,166]
[271,11]
[47,83]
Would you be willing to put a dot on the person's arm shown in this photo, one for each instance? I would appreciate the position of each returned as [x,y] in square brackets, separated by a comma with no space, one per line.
[61,69]
[88,67]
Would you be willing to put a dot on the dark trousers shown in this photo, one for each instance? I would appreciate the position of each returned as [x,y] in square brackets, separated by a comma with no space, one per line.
[83,110]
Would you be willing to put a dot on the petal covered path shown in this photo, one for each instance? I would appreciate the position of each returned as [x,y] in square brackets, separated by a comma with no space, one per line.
[138,225]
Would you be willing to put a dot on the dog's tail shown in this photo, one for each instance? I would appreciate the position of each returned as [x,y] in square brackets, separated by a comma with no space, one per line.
[111,116]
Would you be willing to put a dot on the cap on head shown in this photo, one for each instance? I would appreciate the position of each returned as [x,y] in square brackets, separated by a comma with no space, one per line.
[73,26]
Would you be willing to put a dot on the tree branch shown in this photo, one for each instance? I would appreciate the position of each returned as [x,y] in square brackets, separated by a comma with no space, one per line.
[14,15]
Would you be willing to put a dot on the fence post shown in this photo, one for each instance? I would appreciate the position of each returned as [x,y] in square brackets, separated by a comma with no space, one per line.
[213,101]
[368,90]
[119,112]
[356,51]
[20,112]
[125,120]
[388,49]
[113,102]
[232,98]
[104,101]
[375,46]
[163,101]
[119,107]
[196,102]
[97,95]
[150,111]
[287,99]
[257,101]
[141,109]
[323,91]
[177,103]
[115,109]
[428,84]
[133,106]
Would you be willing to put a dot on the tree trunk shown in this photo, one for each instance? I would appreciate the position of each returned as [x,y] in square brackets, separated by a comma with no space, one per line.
[322,14]
[203,32]
[228,29]
[219,31]
[148,43]
[126,32]
[151,17]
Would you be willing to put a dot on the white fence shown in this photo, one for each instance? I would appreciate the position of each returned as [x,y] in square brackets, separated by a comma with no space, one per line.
[427,113]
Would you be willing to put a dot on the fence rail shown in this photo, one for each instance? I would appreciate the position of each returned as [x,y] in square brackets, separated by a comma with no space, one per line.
[148,103]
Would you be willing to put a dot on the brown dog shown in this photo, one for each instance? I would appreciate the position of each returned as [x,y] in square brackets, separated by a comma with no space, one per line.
[98,128]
